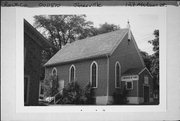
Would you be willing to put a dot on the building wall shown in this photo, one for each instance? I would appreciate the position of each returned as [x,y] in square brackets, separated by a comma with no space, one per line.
[128,57]
[141,84]
[132,92]
[83,74]
[32,68]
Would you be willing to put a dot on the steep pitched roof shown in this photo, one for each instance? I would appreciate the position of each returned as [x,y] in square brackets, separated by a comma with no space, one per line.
[38,38]
[96,46]
[132,71]
[136,71]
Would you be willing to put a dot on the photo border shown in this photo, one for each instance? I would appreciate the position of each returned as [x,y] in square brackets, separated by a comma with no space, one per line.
[20,108]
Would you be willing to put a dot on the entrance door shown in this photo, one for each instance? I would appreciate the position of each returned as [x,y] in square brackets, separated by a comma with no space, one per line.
[146,94]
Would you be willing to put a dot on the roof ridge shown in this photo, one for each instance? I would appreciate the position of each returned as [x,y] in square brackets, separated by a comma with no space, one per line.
[93,37]
[100,34]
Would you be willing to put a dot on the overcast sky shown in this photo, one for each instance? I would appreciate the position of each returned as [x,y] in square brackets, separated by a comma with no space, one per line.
[142,25]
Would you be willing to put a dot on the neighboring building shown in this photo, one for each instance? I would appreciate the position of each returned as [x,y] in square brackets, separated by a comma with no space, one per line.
[109,62]
[34,43]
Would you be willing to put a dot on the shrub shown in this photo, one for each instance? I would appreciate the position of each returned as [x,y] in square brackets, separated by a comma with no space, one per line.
[89,94]
[120,98]
[50,86]
[73,94]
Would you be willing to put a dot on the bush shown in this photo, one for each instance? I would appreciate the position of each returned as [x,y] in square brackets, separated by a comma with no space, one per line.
[72,94]
[50,86]
[89,94]
[120,98]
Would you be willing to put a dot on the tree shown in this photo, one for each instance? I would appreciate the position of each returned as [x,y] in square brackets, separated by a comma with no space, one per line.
[104,28]
[155,58]
[60,29]
[147,59]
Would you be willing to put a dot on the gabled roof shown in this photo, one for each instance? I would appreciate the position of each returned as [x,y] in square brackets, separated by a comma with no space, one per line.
[136,71]
[132,71]
[37,37]
[100,45]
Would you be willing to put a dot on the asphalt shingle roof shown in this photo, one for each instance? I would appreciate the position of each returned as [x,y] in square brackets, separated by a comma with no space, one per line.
[95,46]
[132,71]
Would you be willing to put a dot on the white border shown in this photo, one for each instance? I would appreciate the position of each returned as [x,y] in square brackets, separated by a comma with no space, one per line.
[22,12]
[94,62]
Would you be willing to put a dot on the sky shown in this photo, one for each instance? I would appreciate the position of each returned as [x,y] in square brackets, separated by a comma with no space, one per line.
[142,26]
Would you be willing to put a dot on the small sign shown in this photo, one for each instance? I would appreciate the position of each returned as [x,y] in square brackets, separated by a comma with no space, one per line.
[130,78]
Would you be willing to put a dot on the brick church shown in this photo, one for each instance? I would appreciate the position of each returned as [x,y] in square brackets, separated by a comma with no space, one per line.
[110,62]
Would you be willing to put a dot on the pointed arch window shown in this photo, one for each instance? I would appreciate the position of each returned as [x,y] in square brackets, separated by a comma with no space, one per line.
[117,75]
[94,74]
[54,72]
[72,72]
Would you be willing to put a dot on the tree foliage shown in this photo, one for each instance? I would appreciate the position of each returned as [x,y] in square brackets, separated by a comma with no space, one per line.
[147,59]
[104,28]
[155,57]
[60,29]
[152,61]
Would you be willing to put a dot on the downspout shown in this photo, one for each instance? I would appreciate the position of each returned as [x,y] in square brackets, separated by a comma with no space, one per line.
[107,80]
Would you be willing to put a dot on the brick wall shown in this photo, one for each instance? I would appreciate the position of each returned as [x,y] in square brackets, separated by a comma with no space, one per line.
[128,57]
[133,92]
[141,83]
[83,74]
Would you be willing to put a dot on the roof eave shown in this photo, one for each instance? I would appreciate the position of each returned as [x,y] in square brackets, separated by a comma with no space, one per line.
[76,60]
[45,43]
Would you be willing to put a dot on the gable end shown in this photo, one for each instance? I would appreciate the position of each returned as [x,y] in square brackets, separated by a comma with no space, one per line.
[136,47]
[144,70]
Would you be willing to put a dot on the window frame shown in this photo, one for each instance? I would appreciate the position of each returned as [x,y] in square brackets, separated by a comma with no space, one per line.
[54,69]
[117,63]
[146,77]
[72,66]
[131,84]
[94,62]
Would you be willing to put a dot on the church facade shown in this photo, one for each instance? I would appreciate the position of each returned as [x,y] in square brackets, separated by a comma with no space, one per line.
[110,62]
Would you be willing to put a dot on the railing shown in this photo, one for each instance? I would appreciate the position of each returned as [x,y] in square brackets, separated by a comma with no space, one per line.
[57,94]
